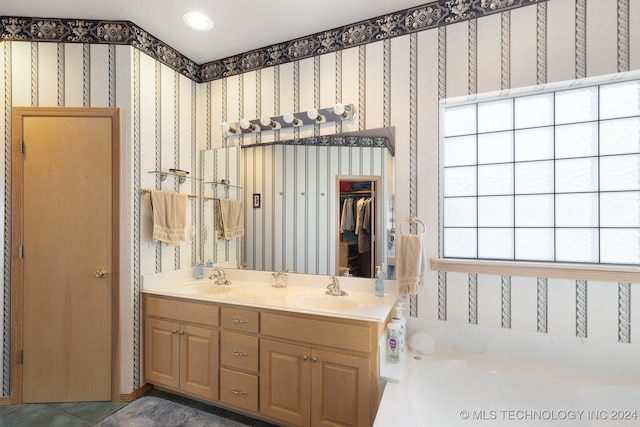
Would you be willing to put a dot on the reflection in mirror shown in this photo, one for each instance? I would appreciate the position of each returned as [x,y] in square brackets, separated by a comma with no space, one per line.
[291,200]
[358,228]
[220,169]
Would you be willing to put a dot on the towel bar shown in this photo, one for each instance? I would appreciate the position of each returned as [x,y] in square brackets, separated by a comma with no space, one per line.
[147,191]
[413,220]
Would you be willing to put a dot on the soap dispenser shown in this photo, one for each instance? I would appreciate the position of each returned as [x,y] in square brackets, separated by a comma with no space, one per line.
[379,282]
[198,272]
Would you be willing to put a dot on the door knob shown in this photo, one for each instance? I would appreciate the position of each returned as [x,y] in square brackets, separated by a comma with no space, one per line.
[100,274]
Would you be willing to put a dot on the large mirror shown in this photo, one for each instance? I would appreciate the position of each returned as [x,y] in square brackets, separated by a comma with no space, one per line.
[293,203]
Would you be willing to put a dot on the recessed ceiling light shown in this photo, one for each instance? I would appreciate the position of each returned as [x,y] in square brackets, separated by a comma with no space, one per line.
[198,21]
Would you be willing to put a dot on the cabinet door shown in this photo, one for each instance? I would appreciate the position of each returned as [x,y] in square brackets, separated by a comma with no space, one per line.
[162,352]
[340,390]
[284,382]
[199,361]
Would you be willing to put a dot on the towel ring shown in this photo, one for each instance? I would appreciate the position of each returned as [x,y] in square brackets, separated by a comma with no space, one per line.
[413,220]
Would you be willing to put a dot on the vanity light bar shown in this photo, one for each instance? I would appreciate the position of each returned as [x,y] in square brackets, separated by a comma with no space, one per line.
[336,113]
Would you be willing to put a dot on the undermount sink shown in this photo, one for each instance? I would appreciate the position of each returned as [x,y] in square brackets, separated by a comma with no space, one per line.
[205,289]
[324,302]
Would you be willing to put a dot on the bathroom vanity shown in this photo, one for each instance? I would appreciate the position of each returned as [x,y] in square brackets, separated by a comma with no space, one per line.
[294,356]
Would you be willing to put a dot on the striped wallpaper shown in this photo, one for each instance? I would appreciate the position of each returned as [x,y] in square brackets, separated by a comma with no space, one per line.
[167,119]
[295,228]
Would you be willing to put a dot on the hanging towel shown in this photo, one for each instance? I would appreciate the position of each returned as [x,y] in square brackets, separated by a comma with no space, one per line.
[169,217]
[411,260]
[232,216]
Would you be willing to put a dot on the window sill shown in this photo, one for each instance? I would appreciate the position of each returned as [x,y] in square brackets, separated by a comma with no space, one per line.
[605,273]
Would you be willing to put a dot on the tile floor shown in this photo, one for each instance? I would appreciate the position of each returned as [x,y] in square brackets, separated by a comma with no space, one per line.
[87,414]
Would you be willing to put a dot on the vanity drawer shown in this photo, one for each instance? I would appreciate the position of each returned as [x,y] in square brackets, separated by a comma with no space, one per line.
[239,351]
[195,312]
[239,389]
[240,320]
[340,335]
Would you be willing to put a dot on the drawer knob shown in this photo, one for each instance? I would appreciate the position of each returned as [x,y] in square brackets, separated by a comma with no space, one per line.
[174,332]
[314,359]
[238,392]
[234,320]
[238,354]
[304,358]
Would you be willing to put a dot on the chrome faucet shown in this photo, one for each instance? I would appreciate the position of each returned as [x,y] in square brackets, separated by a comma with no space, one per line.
[334,288]
[219,276]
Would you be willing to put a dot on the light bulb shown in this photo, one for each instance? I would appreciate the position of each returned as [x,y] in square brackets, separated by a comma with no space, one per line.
[313,114]
[341,110]
[226,127]
[246,124]
[290,118]
[266,121]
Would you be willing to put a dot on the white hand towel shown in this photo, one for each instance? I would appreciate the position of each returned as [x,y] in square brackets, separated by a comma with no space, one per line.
[411,261]
[169,217]
[232,214]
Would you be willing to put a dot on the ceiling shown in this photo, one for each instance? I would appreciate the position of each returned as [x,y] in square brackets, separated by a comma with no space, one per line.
[239,25]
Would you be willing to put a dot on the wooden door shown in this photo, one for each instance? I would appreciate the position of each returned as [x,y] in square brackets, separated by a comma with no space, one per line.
[162,352]
[199,361]
[65,250]
[284,382]
[340,390]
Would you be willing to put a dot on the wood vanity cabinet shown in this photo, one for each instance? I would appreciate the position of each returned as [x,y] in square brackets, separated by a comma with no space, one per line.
[329,379]
[181,346]
[290,368]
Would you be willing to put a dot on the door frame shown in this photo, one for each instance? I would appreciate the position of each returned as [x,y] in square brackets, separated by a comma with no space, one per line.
[17,285]
[376,181]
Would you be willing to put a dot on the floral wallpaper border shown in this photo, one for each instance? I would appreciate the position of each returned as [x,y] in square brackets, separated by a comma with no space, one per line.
[419,18]
[334,141]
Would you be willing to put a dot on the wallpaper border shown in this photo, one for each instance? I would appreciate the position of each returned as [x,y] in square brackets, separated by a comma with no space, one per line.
[430,15]
[333,141]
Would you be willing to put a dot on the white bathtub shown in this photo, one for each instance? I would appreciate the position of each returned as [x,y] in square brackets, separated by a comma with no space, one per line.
[452,388]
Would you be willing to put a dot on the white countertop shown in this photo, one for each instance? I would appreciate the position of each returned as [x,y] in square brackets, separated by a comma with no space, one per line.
[305,293]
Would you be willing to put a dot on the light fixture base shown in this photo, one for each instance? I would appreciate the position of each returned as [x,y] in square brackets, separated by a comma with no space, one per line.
[337,113]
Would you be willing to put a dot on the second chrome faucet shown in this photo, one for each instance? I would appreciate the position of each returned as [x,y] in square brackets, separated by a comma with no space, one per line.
[220,278]
[334,288]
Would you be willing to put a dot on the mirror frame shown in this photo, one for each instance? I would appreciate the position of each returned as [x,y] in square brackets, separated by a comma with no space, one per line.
[377,138]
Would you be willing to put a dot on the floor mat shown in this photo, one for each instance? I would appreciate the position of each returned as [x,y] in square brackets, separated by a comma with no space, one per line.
[153,412]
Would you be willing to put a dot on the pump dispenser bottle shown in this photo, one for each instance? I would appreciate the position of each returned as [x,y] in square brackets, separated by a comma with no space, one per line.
[393,342]
[379,282]
[198,272]
[399,319]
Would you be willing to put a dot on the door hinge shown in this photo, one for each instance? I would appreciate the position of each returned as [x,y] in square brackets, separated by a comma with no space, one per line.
[20,357]
[21,146]
[20,252]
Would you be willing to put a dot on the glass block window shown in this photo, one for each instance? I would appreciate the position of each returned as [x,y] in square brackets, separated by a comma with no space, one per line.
[543,176]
